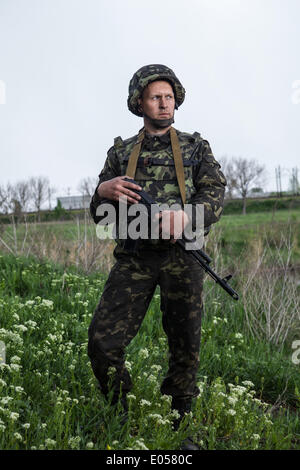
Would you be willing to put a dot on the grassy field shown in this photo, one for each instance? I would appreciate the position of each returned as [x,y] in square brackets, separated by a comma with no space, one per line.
[249,384]
[69,242]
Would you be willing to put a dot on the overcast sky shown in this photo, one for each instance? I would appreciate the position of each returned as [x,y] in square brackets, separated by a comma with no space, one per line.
[65,67]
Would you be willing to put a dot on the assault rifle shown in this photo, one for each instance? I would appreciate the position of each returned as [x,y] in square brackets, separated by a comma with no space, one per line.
[203,259]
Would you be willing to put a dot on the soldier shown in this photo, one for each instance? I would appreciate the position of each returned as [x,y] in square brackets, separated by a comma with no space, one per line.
[173,167]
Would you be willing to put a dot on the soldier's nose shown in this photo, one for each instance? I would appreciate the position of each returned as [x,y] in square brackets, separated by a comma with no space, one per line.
[163,103]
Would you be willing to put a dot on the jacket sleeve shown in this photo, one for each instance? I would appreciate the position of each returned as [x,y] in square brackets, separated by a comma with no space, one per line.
[210,184]
[111,170]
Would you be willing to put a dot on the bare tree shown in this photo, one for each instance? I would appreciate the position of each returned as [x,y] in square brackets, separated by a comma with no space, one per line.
[39,192]
[247,174]
[6,198]
[3,198]
[87,186]
[21,194]
[51,192]
[227,169]
[17,210]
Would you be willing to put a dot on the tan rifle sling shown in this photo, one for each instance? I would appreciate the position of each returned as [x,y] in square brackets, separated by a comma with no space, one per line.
[132,162]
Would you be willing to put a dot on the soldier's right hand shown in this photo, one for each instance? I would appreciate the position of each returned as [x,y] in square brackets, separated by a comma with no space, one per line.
[117,189]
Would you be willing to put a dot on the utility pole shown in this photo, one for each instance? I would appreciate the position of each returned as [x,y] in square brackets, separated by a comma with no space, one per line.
[49,198]
[295,183]
[278,181]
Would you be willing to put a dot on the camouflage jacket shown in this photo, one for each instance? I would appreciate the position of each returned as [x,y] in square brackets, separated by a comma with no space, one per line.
[155,172]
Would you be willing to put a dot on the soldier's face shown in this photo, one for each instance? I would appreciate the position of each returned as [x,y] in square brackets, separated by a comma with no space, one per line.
[158,101]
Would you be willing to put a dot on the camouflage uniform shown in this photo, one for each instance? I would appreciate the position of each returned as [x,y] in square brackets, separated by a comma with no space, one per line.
[134,277]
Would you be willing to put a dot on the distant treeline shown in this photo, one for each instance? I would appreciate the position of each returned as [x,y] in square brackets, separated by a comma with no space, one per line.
[231,207]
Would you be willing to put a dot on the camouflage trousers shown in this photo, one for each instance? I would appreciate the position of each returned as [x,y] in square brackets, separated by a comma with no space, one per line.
[122,308]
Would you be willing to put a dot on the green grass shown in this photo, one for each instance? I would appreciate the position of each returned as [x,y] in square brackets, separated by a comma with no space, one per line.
[249,389]
[260,218]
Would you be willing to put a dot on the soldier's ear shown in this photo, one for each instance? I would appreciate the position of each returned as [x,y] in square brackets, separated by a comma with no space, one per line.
[140,108]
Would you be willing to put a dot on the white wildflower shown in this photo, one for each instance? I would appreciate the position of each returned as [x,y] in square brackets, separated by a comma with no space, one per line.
[145,403]
[143,353]
[50,442]
[231,412]
[239,390]
[26,425]
[156,368]
[155,416]
[268,421]
[175,414]
[232,400]
[18,436]
[90,445]
[74,442]
[31,323]
[15,359]
[238,335]
[130,396]
[111,370]
[5,400]
[163,421]
[152,378]
[167,398]
[47,303]
[141,445]
[247,383]
[21,328]
[52,337]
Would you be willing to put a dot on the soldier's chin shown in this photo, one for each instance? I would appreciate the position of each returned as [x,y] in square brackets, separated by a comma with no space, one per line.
[160,123]
[163,123]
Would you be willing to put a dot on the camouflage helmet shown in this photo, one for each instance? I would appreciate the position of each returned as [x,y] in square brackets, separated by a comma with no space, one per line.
[148,74]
